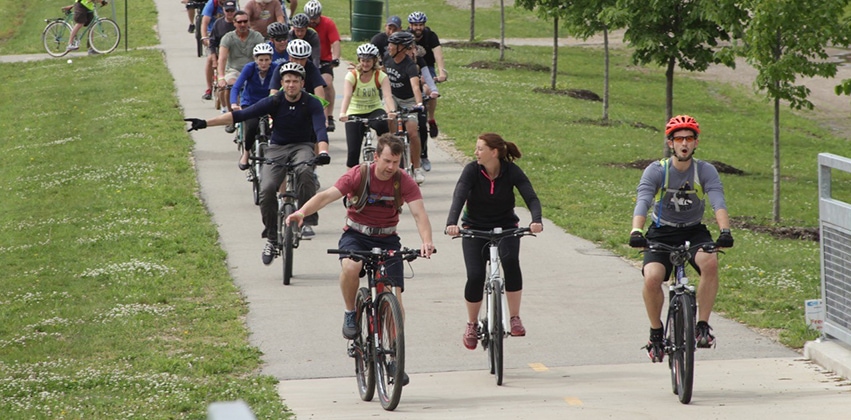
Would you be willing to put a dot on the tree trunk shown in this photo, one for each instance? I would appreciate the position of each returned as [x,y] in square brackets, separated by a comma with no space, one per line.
[501,30]
[776,207]
[669,100]
[472,20]
[606,74]
[555,55]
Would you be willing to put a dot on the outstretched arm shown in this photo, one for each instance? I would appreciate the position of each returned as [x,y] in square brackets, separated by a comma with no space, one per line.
[316,203]
[423,226]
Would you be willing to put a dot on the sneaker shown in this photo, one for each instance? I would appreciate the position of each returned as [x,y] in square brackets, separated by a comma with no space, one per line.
[419,175]
[391,371]
[208,95]
[432,129]
[191,29]
[426,163]
[73,46]
[350,326]
[331,126]
[655,351]
[307,233]
[270,251]
[703,336]
[471,336]
[93,52]
[230,128]
[517,329]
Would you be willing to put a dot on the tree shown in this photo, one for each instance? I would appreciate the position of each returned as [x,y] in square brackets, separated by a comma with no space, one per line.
[673,33]
[785,39]
[472,20]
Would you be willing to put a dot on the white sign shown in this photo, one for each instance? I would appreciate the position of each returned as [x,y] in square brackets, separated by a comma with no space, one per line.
[814,313]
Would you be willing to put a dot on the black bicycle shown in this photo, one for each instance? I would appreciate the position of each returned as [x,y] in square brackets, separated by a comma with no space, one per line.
[402,116]
[368,144]
[379,347]
[261,142]
[493,321]
[288,237]
[682,310]
[198,6]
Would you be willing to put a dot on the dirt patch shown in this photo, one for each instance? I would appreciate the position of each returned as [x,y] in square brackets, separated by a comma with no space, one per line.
[478,44]
[506,65]
[573,93]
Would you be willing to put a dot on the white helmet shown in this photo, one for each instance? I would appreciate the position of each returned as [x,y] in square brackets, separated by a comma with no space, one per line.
[263,48]
[313,9]
[368,50]
[299,48]
[290,67]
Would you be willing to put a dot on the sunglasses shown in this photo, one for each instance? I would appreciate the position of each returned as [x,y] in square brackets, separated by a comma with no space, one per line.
[680,139]
[241,21]
[279,39]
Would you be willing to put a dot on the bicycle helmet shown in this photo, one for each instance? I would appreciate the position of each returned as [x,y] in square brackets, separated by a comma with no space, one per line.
[313,9]
[263,48]
[367,50]
[290,67]
[682,122]
[417,17]
[401,38]
[277,30]
[299,48]
[300,20]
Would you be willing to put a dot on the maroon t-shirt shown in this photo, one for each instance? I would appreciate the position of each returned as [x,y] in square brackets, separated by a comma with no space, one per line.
[380,209]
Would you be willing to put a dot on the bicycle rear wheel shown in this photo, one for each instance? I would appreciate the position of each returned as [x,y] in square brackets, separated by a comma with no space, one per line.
[199,43]
[104,35]
[681,336]
[55,38]
[258,151]
[495,350]
[390,351]
[288,243]
[362,348]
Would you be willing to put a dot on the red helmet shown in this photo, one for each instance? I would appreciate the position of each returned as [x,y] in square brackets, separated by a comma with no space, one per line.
[682,122]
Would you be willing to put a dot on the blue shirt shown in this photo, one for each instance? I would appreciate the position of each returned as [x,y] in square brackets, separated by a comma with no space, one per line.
[250,85]
[212,11]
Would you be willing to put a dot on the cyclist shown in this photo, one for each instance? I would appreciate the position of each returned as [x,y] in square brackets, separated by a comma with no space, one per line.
[329,53]
[278,33]
[235,51]
[84,13]
[374,224]
[405,85]
[394,24]
[433,57]
[212,11]
[674,190]
[485,190]
[364,88]
[299,126]
[429,89]
[191,13]
[253,83]
[221,27]
[301,30]
[261,13]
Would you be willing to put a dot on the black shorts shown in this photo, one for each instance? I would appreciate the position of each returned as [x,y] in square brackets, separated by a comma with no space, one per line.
[82,14]
[353,239]
[325,67]
[675,236]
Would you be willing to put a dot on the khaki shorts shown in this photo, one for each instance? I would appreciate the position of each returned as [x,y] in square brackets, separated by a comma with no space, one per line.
[231,75]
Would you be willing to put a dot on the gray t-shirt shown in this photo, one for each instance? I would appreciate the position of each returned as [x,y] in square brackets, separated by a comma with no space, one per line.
[684,202]
[240,52]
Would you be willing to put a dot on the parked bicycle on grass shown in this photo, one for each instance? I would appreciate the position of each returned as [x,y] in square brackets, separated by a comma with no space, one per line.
[60,36]
[379,344]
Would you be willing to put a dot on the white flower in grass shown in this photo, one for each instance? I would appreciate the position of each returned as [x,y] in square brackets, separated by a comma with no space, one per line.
[132,267]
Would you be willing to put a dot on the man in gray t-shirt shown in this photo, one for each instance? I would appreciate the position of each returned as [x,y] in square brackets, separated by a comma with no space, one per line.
[674,191]
[236,49]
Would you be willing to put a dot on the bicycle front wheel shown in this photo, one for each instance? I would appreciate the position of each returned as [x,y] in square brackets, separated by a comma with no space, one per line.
[259,151]
[681,336]
[288,242]
[362,347]
[104,35]
[55,38]
[390,351]
[495,350]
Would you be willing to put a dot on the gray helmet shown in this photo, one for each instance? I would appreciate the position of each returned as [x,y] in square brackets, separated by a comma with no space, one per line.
[299,48]
[313,9]
[401,38]
[300,20]
[290,67]
[277,30]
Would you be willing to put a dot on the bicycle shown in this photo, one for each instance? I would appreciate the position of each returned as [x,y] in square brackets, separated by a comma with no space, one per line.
[402,116]
[493,323]
[379,347]
[288,237]
[199,42]
[368,145]
[680,324]
[261,141]
[102,33]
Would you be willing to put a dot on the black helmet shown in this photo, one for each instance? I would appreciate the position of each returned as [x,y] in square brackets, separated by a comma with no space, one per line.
[277,30]
[401,38]
[300,20]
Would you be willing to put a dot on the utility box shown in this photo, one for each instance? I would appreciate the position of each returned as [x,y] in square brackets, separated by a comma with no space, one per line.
[835,241]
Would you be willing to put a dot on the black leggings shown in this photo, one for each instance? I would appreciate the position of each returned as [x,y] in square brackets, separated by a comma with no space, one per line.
[476,257]
[354,135]
[250,129]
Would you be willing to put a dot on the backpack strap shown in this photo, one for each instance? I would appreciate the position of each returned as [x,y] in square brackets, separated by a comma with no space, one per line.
[696,190]
[359,198]
[377,83]
[357,79]
[397,191]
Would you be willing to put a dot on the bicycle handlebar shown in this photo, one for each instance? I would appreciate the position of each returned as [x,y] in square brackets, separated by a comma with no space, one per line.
[378,254]
[195,4]
[492,235]
[316,160]
[681,253]
[363,120]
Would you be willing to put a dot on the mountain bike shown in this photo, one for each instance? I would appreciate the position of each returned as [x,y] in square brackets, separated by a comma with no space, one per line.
[199,42]
[379,347]
[368,145]
[102,33]
[261,141]
[402,116]
[682,309]
[288,237]
[493,322]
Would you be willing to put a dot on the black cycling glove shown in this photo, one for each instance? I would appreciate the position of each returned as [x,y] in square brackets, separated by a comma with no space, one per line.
[323,158]
[637,240]
[197,124]
[725,239]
